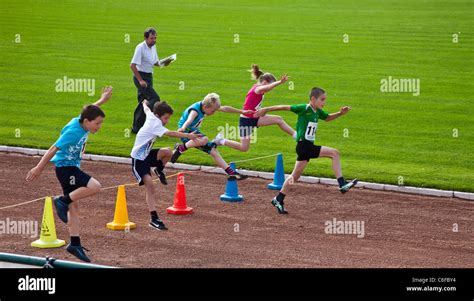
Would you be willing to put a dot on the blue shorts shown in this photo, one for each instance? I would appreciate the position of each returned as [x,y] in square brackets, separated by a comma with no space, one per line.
[141,168]
[71,178]
[205,148]
[246,126]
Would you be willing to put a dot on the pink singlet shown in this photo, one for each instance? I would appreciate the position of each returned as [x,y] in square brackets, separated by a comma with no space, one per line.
[253,101]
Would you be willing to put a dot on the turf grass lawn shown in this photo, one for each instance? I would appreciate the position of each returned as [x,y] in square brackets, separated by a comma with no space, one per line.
[424,140]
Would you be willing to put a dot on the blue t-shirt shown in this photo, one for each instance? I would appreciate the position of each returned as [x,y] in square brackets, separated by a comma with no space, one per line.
[71,144]
[197,121]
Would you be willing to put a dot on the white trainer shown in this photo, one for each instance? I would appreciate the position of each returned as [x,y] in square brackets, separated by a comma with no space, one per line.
[219,139]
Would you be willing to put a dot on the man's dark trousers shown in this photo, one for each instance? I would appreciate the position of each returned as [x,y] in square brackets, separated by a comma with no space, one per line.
[147,93]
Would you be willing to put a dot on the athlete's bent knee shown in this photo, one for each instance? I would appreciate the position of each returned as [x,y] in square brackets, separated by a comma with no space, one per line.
[167,152]
[244,148]
[203,140]
[95,185]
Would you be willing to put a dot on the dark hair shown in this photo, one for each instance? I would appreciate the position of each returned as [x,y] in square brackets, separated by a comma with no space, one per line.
[162,108]
[316,92]
[149,31]
[91,112]
[259,75]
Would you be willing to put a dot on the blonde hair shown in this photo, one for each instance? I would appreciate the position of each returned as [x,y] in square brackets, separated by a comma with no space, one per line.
[212,100]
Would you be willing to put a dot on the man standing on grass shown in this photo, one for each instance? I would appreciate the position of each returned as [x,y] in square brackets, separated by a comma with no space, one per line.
[144,58]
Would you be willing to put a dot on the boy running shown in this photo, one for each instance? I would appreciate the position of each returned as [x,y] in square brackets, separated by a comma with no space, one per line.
[191,121]
[66,154]
[308,116]
[145,159]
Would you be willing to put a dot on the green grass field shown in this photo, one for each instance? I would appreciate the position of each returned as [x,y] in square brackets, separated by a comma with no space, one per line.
[390,134]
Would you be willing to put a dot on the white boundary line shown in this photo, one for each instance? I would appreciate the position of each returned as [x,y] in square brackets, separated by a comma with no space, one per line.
[261,174]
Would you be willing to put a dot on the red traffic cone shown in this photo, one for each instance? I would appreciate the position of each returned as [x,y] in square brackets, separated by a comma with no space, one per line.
[179,206]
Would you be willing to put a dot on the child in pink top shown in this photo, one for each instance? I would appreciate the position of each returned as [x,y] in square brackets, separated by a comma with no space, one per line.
[265,83]
[253,101]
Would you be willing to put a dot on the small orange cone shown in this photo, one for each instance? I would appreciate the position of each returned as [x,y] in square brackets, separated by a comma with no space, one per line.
[121,221]
[179,206]
[48,237]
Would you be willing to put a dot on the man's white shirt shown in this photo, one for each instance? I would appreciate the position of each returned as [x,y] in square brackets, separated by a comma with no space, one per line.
[146,136]
[145,57]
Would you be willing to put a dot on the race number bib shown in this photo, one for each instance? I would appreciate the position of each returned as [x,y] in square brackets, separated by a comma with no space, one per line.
[311,131]
[83,148]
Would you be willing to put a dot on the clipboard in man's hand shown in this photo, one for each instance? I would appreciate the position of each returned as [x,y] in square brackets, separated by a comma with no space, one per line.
[166,61]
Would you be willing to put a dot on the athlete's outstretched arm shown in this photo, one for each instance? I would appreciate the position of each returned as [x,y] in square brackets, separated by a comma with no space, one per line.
[36,171]
[341,112]
[106,94]
[145,106]
[265,88]
[190,136]
[229,109]
[265,110]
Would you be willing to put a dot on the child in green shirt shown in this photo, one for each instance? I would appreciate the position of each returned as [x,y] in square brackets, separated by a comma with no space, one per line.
[308,116]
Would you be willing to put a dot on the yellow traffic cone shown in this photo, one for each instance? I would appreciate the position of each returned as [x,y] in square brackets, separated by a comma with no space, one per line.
[121,221]
[48,237]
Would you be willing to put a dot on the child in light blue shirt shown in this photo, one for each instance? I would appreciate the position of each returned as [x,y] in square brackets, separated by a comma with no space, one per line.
[66,155]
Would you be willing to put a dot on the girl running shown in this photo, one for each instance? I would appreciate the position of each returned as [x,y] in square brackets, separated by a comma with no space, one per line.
[265,83]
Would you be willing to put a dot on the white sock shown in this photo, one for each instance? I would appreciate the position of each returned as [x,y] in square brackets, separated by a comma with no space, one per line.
[294,135]
[222,141]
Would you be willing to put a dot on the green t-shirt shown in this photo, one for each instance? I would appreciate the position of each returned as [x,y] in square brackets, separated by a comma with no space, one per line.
[307,121]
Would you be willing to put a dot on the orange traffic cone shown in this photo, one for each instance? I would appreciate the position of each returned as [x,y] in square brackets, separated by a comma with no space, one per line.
[121,221]
[179,206]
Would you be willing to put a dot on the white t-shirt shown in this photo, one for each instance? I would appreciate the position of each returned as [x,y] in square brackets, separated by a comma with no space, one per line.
[145,57]
[146,136]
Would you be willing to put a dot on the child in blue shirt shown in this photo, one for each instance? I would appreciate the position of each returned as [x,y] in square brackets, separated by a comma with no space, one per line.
[191,121]
[66,154]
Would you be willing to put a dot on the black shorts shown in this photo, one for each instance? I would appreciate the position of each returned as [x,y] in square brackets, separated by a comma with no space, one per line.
[71,178]
[307,150]
[246,126]
[141,168]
